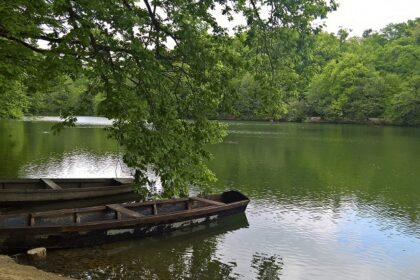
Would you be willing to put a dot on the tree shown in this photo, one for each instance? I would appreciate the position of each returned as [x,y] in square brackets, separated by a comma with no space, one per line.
[372,76]
[347,90]
[277,68]
[61,95]
[13,101]
[405,106]
[162,67]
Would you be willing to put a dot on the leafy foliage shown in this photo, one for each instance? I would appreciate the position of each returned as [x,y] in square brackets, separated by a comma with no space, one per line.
[370,77]
[62,96]
[162,68]
[335,77]
[405,106]
[347,90]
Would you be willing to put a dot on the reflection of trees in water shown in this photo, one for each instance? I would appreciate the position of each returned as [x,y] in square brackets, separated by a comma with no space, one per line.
[26,144]
[316,165]
[178,262]
[198,262]
[267,267]
[183,254]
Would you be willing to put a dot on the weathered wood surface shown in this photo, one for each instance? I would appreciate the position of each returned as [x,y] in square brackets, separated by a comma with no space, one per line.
[120,209]
[85,226]
[50,190]
[208,201]
[51,184]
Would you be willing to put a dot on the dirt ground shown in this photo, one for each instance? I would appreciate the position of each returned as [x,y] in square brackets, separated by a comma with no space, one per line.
[10,270]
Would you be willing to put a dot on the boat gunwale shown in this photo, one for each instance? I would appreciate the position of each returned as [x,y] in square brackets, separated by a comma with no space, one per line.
[205,210]
[120,182]
[70,180]
[72,190]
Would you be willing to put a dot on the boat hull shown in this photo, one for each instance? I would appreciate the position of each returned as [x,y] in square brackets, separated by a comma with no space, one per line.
[54,237]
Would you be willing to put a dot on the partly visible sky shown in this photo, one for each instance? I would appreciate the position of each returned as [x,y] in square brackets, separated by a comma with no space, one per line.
[359,15]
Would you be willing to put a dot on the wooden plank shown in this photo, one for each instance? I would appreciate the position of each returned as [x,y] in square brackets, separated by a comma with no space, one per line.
[208,201]
[31,220]
[61,212]
[166,218]
[77,218]
[51,184]
[154,209]
[189,204]
[123,210]
[159,202]
[18,181]
[123,181]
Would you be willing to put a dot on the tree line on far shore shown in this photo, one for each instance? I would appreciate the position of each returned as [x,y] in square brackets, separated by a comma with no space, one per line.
[286,77]
[335,78]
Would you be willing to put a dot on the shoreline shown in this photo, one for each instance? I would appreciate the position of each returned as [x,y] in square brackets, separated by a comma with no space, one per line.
[323,122]
[11,270]
[102,121]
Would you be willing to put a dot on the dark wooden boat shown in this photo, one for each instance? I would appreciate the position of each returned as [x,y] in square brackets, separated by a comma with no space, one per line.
[50,190]
[95,225]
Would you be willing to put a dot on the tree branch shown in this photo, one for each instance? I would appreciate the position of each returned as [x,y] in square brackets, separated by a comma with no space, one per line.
[9,37]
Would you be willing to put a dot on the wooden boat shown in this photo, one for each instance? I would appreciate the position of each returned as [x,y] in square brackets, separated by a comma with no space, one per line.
[95,225]
[49,190]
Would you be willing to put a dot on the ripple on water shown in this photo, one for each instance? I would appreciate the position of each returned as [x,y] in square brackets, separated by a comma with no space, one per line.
[321,239]
[294,230]
[77,163]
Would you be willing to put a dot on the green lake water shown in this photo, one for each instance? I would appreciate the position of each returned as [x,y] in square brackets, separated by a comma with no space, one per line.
[327,202]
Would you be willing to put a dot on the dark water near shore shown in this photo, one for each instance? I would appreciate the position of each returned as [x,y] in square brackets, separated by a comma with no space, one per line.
[328,202]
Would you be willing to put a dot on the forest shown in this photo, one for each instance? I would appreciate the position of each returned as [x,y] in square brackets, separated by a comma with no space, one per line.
[334,77]
[164,71]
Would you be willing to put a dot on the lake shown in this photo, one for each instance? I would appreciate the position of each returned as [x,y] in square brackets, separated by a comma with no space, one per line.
[327,202]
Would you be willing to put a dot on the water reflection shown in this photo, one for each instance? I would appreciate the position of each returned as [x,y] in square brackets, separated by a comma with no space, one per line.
[30,147]
[183,254]
[79,163]
[324,163]
[81,120]
[267,267]
[331,200]
[327,202]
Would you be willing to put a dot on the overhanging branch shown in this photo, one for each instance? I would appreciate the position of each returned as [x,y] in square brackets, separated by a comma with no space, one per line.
[7,36]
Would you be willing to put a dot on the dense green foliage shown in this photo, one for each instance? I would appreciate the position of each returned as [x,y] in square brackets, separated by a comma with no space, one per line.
[162,69]
[334,77]
[372,77]
[63,96]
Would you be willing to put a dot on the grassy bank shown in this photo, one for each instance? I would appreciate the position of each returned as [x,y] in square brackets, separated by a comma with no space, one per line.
[10,270]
